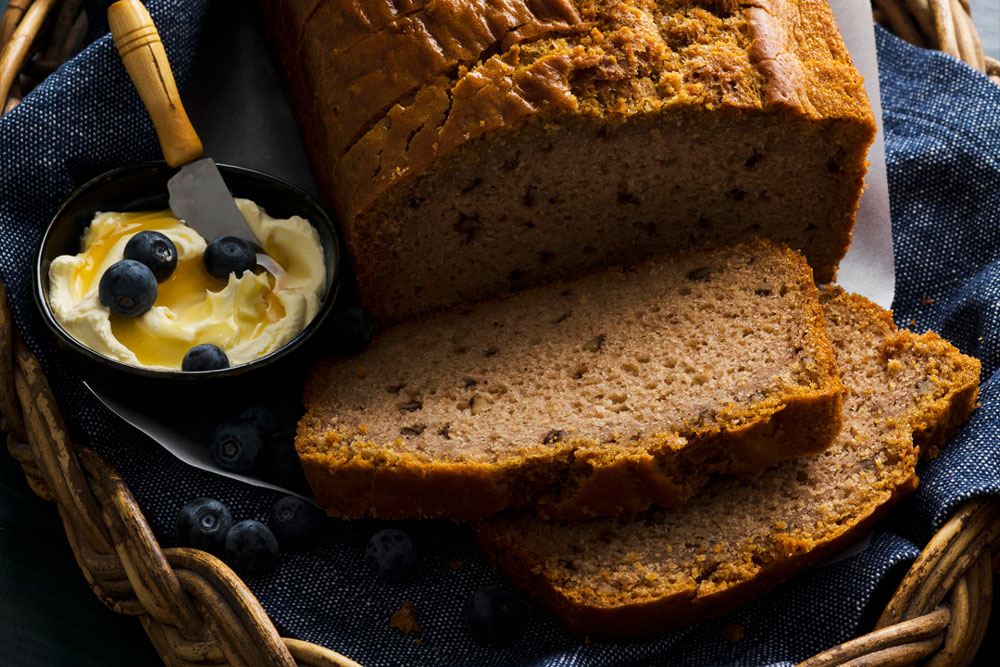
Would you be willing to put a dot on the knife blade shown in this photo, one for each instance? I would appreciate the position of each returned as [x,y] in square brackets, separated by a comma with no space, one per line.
[198,194]
[199,197]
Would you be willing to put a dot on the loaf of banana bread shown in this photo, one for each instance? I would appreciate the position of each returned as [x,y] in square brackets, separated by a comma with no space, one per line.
[474,147]
[593,397]
[650,572]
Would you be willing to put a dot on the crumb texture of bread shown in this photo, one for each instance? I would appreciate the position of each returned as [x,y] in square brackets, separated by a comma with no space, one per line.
[471,148]
[644,574]
[594,397]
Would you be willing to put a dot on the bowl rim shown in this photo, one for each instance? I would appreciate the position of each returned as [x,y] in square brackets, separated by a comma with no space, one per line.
[332,283]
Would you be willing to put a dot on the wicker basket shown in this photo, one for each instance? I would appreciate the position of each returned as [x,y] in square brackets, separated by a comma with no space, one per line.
[945,25]
[197,611]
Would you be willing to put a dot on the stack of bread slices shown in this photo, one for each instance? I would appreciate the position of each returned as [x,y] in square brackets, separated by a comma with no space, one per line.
[644,446]
[557,210]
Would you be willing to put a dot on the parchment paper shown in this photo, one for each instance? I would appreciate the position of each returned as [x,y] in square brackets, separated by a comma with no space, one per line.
[868,267]
[236,102]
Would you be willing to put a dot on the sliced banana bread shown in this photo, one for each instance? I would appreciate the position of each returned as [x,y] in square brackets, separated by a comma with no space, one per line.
[647,573]
[474,147]
[587,398]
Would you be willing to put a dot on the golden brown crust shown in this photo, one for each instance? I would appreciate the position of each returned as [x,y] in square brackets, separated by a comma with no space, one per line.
[348,63]
[401,488]
[443,119]
[595,486]
[411,45]
[805,65]
[939,420]
[576,481]
[651,617]
[773,56]
[505,91]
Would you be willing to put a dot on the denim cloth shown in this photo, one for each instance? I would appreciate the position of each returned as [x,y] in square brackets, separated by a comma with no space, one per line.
[943,145]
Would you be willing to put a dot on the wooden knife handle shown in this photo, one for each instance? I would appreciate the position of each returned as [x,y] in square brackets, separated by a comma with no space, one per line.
[142,52]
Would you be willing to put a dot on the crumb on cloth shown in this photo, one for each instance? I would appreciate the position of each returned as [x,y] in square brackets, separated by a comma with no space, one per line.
[405,618]
[732,632]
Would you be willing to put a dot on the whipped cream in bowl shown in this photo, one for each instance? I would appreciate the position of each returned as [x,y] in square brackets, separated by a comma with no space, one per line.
[257,318]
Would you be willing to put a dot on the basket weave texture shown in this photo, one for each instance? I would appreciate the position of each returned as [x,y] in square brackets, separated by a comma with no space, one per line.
[197,611]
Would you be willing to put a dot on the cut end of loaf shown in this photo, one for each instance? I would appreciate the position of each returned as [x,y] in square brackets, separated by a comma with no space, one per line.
[552,201]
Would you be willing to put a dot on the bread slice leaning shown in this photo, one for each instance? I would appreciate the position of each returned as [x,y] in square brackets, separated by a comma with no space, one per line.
[642,575]
[587,398]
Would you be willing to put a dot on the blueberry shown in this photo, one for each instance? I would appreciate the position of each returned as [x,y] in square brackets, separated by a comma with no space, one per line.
[229,254]
[280,464]
[203,524]
[204,357]
[261,417]
[236,446]
[391,554]
[128,288]
[154,250]
[493,615]
[297,523]
[352,330]
[251,548]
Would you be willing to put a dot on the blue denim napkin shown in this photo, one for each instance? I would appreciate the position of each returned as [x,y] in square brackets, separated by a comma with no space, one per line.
[942,122]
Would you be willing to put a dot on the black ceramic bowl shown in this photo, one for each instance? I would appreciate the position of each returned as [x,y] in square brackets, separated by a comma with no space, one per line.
[143,187]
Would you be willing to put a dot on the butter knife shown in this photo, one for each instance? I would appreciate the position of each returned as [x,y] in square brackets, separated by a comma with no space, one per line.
[198,195]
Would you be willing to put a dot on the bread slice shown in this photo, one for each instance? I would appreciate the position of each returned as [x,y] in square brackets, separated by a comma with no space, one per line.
[474,147]
[594,397]
[645,574]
